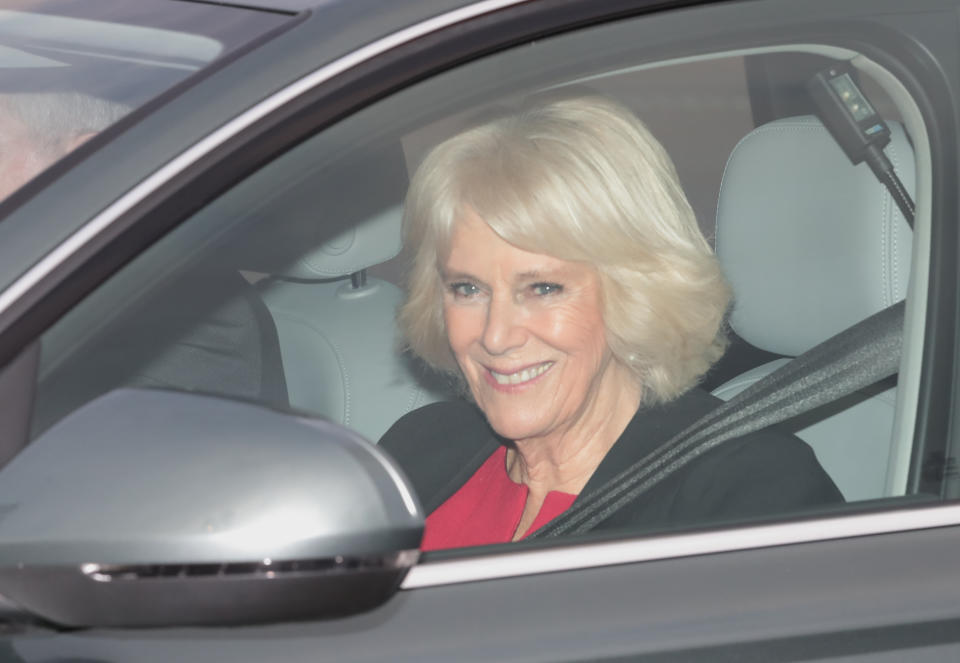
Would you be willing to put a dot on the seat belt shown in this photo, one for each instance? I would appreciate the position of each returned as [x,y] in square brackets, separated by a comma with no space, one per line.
[857,357]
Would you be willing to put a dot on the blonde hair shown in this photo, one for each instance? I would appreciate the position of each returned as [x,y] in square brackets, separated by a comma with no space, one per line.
[579,179]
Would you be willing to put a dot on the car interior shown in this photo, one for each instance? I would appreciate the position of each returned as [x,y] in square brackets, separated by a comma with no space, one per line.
[337,337]
[811,244]
[765,243]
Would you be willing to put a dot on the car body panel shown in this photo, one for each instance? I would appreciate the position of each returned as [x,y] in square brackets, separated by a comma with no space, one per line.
[881,597]
[809,602]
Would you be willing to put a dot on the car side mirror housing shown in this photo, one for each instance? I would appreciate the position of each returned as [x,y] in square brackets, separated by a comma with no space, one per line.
[162,508]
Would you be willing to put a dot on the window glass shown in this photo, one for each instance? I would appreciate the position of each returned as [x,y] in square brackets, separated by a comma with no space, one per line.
[69,69]
[566,315]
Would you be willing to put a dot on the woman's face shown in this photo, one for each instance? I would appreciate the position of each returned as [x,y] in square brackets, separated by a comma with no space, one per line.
[527,331]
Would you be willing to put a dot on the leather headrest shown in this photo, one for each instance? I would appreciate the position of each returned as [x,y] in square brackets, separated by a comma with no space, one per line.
[810,243]
[330,223]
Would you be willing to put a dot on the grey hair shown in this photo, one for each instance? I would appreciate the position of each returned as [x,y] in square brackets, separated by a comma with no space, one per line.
[583,180]
[54,117]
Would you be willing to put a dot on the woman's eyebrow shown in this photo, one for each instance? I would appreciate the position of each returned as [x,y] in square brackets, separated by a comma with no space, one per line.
[456,275]
[543,274]
[530,275]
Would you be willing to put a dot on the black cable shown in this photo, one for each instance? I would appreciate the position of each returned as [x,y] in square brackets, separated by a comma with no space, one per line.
[883,169]
[857,127]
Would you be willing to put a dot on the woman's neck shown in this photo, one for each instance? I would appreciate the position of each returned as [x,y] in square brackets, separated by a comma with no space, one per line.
[565,459]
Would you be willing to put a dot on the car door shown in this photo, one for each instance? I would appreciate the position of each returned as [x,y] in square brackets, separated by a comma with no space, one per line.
[244,195]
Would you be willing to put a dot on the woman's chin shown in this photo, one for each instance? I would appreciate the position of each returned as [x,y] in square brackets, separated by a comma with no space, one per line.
[513,427]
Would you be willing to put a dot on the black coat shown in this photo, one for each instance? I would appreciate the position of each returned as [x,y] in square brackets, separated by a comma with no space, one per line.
[766,473]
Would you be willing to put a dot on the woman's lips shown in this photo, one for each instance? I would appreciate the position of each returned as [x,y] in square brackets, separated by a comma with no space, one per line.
[519,377]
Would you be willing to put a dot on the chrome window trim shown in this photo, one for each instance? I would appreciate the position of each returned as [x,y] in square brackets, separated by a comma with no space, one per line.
[261,569]
[102,221]
[502,565]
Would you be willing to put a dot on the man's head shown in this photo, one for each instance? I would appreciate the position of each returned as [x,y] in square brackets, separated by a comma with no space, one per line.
[37,129]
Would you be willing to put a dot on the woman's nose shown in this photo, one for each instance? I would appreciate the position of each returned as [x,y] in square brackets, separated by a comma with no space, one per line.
[504,330]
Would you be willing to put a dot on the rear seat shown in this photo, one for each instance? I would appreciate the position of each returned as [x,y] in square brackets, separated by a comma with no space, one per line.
[337,333]
[338,340]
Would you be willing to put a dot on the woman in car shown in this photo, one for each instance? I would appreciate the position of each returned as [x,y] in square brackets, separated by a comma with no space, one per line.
[561,276]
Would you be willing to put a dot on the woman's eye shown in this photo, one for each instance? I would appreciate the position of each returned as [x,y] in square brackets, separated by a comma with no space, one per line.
[543,289]
[463,289]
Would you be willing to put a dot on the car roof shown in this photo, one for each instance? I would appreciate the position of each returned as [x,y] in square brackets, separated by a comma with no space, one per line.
[303,5]
[283,5]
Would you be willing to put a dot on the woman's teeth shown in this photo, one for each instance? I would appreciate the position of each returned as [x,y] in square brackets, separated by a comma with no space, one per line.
[521,376]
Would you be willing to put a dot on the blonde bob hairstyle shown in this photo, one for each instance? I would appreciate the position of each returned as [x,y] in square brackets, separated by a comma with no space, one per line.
[580,179]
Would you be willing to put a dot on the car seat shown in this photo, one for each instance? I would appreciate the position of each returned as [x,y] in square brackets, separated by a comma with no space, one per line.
[203,330]
[338,339]
[811,245]
[313,223]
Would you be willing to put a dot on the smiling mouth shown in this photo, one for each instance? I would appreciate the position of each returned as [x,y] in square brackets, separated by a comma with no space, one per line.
[521,376]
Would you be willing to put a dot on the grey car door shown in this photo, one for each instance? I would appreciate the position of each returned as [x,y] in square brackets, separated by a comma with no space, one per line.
[874,580]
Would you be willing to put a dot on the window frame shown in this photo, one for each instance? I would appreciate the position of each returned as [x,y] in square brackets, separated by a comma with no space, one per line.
[333,90]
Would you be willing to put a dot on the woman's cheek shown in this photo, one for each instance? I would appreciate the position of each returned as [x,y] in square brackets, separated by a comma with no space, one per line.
[577,328]
[464,322]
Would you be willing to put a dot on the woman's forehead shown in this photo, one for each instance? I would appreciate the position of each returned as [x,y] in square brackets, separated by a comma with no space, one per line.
[517,228]
[471,232]
[476,247]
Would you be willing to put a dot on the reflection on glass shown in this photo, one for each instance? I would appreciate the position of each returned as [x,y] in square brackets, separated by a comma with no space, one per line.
[37,129]
[68,69]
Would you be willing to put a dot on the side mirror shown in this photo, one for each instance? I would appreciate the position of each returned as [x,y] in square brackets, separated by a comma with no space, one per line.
[156,508]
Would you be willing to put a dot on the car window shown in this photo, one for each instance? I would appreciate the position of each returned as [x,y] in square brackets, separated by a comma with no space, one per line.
[286,289]
[69,69]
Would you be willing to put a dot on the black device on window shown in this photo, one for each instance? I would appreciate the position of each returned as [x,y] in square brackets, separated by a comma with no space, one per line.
[857,127]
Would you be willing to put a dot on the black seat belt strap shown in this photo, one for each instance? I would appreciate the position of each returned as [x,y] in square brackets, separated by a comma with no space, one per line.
[853,359]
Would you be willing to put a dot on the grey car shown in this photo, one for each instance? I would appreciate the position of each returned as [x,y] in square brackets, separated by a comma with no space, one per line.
[200,262]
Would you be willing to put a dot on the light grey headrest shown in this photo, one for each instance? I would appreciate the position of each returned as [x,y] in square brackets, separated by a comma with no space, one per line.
[810,243]
[370,242]
[326,223]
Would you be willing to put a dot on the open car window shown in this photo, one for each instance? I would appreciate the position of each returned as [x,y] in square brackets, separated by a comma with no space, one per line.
[284,290]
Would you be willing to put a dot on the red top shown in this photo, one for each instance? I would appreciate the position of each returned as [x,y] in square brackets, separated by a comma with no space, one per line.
[487,509]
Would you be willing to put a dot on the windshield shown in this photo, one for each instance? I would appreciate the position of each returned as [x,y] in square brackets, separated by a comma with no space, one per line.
[69,69]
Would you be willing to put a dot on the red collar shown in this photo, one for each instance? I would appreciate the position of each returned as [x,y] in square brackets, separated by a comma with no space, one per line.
[487,509]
